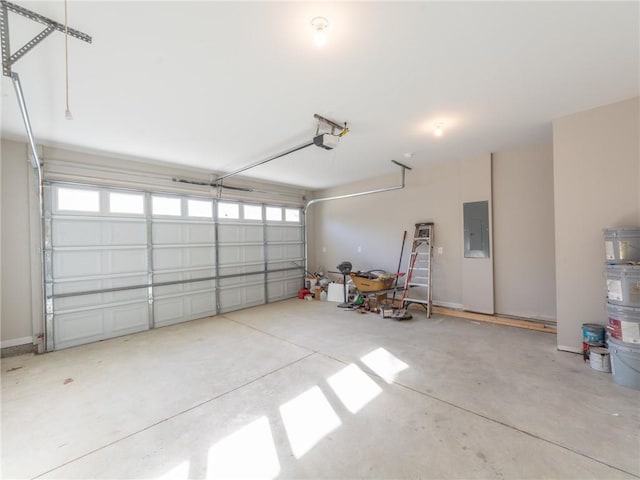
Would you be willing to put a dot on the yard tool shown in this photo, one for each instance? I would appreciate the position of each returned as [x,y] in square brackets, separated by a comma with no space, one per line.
[395,285]
[401,314]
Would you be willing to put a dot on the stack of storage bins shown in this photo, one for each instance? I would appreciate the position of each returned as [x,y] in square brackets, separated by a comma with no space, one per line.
[622,271]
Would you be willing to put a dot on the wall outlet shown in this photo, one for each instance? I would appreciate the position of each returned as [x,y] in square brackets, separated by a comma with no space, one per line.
[440,250]
[359,249]
[324,249]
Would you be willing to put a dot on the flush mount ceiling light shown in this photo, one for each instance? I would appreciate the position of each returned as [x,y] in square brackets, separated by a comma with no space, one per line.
[438,130]
[320,24]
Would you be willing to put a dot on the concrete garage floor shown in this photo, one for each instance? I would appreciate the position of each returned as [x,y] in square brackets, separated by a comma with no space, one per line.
[302,389]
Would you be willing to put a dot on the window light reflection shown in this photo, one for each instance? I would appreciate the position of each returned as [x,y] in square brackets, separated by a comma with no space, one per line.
[307,419]
[249,452]
[179,472]
[384,364]
[354,388]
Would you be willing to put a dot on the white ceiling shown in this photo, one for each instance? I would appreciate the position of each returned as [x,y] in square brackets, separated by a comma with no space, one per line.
[220,85]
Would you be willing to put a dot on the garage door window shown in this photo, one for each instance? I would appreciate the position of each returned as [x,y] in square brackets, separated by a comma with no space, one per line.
[292,215]
[228,210]
[126,203]
[274,214]
[200,208]
[166,206]
[252,212]
[78,200]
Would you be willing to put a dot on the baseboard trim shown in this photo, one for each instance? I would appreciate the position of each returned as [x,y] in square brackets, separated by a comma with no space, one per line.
[481,317]
[451,305]
[14,342]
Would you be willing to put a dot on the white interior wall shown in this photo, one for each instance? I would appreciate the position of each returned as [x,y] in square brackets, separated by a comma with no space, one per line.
[367,230]
[376,222]
[524,241]
[596,185]
[477,273]
[15,324]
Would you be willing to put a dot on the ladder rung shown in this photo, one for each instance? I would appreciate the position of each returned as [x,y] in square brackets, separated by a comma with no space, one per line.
[421,268]
[416,284]
[416,300]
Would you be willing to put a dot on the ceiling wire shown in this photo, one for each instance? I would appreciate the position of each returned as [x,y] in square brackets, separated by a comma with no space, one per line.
[67,113]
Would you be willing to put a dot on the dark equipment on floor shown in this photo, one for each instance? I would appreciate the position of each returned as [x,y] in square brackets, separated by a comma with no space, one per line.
[345,269]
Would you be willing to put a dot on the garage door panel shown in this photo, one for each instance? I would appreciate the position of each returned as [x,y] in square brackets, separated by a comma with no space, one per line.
[291,287]
[237,298]
[78,231]
[275,290]
[240,254]
[284,234]
[66,303]
[172,258]
[94,262]
[167,258]
[294,251]
[199,233]
[285,251]
[74,232]
[242,280]
[200,257]
[125,261]
[239,269]
[282,289]
[85,284]
[254,295]
[236,233]
[73,327]
[183,288]
[203,304]
[165,233]
[126,233]
[71,264]
[92,325]
[288,268]
[128,319]
[169,311]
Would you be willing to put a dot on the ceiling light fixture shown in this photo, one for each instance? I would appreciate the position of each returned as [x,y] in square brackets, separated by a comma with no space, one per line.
[438,131]
[320,24]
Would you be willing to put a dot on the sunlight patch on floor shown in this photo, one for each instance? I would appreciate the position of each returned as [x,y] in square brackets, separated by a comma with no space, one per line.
[307,419]
[248,453]
[179,472]
[353,387]
[384,363]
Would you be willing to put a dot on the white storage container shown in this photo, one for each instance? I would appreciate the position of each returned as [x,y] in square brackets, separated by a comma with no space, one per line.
[622,245]
[623,284]
[624,323]
[625,363]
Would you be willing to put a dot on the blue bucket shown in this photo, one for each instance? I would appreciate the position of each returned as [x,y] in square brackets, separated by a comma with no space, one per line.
[593,334]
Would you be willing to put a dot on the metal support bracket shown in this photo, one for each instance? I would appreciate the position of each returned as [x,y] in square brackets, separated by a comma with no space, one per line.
[8,59]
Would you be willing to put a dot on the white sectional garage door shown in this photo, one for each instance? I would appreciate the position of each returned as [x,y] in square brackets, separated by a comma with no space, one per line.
[119,262]
[92,249]
[285,247]
[183,246]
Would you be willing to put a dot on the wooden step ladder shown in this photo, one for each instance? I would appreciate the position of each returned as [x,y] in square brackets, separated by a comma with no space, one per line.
[417,285]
